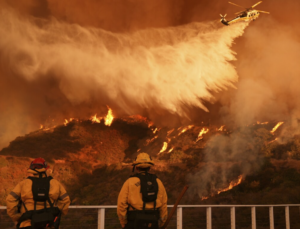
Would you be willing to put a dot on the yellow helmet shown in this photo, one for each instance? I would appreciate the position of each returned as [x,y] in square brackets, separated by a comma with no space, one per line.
[143,160]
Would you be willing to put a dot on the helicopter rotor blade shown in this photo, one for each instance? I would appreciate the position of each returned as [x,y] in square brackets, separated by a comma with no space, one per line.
[256,4]
[263,11]
[236,5]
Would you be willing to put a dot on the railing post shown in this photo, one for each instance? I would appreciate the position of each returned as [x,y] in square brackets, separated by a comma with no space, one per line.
[232,217]
[101,218]
[287,217]
[271,214]
[253,217]
[208,218]
[179,218]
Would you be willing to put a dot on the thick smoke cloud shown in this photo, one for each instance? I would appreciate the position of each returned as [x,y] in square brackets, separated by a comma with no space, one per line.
[169,60]
[52,69]
[268,90]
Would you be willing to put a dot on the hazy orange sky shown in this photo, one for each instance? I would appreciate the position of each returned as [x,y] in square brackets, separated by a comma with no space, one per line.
[170,60]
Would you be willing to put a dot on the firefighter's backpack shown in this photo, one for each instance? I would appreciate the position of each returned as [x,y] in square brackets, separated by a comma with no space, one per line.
[44,217]
[147,219]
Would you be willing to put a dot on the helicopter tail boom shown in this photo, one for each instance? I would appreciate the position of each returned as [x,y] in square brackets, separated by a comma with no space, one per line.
[223,20]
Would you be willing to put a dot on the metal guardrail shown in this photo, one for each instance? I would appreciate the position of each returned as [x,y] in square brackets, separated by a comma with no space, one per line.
[209,209]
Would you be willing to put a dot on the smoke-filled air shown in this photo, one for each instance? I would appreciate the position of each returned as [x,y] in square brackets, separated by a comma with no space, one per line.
[171,61]
[47,61]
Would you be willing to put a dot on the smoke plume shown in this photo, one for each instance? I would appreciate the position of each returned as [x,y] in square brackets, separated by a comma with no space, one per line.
[57,65]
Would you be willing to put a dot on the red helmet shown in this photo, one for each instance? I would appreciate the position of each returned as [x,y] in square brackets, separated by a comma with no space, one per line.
[39,163]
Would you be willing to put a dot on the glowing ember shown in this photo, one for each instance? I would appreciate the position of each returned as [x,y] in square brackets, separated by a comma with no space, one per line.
[261,123]
[165,146]
[276,127]
[95,119]
[221,128]
[66,122]
[232,184]
[41,126]
[171,150]
[204,197]
[203,131]
[154,131]
[273,140]
[150,124]
[150,140]
[109,117]
[169,132]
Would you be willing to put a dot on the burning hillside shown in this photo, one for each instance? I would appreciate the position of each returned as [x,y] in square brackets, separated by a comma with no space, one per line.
[214,103]
[213,159]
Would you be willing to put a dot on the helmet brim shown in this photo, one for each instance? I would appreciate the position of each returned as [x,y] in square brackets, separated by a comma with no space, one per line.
[143,165]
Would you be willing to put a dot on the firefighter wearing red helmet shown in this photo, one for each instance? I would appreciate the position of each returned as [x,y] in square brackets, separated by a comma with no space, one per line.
[142,201]
[38,201]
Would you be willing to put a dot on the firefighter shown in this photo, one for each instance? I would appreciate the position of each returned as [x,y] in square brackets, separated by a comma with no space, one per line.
[142,201]
[38,200]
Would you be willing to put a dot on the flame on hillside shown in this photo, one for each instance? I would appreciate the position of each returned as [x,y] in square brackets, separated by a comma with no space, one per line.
[261,123]
[203,131]
[185,129]
[70,120]
[232,184]
[170,131]
[163,149]
[94,119]
[221,128]
[109,117]
[276,127]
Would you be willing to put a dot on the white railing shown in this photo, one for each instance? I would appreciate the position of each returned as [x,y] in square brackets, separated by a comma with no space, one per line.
[209,209]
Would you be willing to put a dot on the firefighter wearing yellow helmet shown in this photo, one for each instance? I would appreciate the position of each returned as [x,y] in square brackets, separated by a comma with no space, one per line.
[142,201]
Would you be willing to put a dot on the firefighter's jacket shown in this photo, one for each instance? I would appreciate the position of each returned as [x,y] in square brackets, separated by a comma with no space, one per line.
[23,192]
[130,198]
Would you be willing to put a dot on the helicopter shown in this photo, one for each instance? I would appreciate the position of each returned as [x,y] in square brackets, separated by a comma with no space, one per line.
[250,14]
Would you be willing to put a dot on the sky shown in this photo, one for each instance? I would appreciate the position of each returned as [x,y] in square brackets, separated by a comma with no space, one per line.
[169,60]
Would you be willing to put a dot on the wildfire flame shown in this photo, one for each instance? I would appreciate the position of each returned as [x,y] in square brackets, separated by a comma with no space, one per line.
[67,121]
[170,131]
[204,197]
[221,128]
[150,140]
[273,140]
[276,127]
[261,123]
[185,129]
[165,146]
[203,131]
[232,184]
[109,117]
[95,119]
[107,120]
